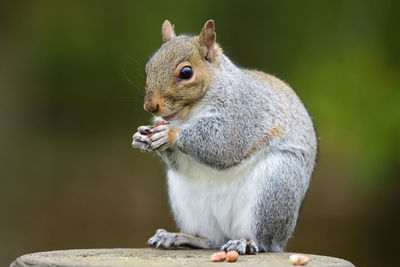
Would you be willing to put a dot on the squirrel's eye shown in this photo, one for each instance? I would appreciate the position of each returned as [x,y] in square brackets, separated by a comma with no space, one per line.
[186,73]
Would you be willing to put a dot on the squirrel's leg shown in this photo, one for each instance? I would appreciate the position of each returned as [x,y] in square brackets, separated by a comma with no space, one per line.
[276,214]
[163,239]
[241,246]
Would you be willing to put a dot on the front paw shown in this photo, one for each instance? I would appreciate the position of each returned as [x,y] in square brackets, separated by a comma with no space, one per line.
[150,138]
[162,137]
[162,239]
[141,139]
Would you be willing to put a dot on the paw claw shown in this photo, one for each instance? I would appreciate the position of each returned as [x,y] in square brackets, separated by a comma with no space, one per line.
[144,129]
[251,247]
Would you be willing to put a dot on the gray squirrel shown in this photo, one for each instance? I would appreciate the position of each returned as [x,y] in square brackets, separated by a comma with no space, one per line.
[238,145]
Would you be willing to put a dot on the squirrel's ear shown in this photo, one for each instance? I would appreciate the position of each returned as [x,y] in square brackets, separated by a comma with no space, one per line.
[207,34]
[207,39]
[167,31]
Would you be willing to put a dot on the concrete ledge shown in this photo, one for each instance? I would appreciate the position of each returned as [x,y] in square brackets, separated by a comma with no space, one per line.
[155,257]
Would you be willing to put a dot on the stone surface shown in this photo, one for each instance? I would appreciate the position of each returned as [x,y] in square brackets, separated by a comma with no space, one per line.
[156,257]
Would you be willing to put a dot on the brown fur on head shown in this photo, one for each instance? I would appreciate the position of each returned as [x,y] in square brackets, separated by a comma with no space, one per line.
[166,92]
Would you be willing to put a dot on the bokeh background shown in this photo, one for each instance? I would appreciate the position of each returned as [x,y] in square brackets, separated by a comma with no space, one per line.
[71,89]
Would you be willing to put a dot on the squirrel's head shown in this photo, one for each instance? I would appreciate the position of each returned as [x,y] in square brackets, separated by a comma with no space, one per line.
[178,74]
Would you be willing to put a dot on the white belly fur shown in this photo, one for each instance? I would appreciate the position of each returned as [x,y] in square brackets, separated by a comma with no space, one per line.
[217,204]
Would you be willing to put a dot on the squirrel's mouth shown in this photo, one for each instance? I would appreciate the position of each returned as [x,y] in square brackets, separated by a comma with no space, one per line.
[171,116]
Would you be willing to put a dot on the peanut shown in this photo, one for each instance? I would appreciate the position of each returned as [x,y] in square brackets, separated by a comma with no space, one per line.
[158,123]
[298,259]
[217,257]
[232,256]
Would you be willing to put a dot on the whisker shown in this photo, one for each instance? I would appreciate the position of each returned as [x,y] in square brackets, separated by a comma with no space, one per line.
[132,83]
[138,66]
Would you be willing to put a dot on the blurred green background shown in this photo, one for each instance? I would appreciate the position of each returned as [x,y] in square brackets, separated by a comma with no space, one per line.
[71,84]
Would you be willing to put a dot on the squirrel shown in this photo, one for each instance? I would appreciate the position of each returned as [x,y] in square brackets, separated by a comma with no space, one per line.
[238,145]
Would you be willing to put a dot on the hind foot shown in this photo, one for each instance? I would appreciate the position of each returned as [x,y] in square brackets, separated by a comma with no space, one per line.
[242,246]
[164,240]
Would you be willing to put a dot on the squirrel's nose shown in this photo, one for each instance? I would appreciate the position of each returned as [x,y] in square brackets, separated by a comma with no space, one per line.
[151,106]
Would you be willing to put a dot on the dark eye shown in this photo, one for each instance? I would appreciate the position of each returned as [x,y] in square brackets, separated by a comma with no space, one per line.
[186,73]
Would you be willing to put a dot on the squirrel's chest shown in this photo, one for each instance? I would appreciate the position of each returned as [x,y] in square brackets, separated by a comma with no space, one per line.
[212,203]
